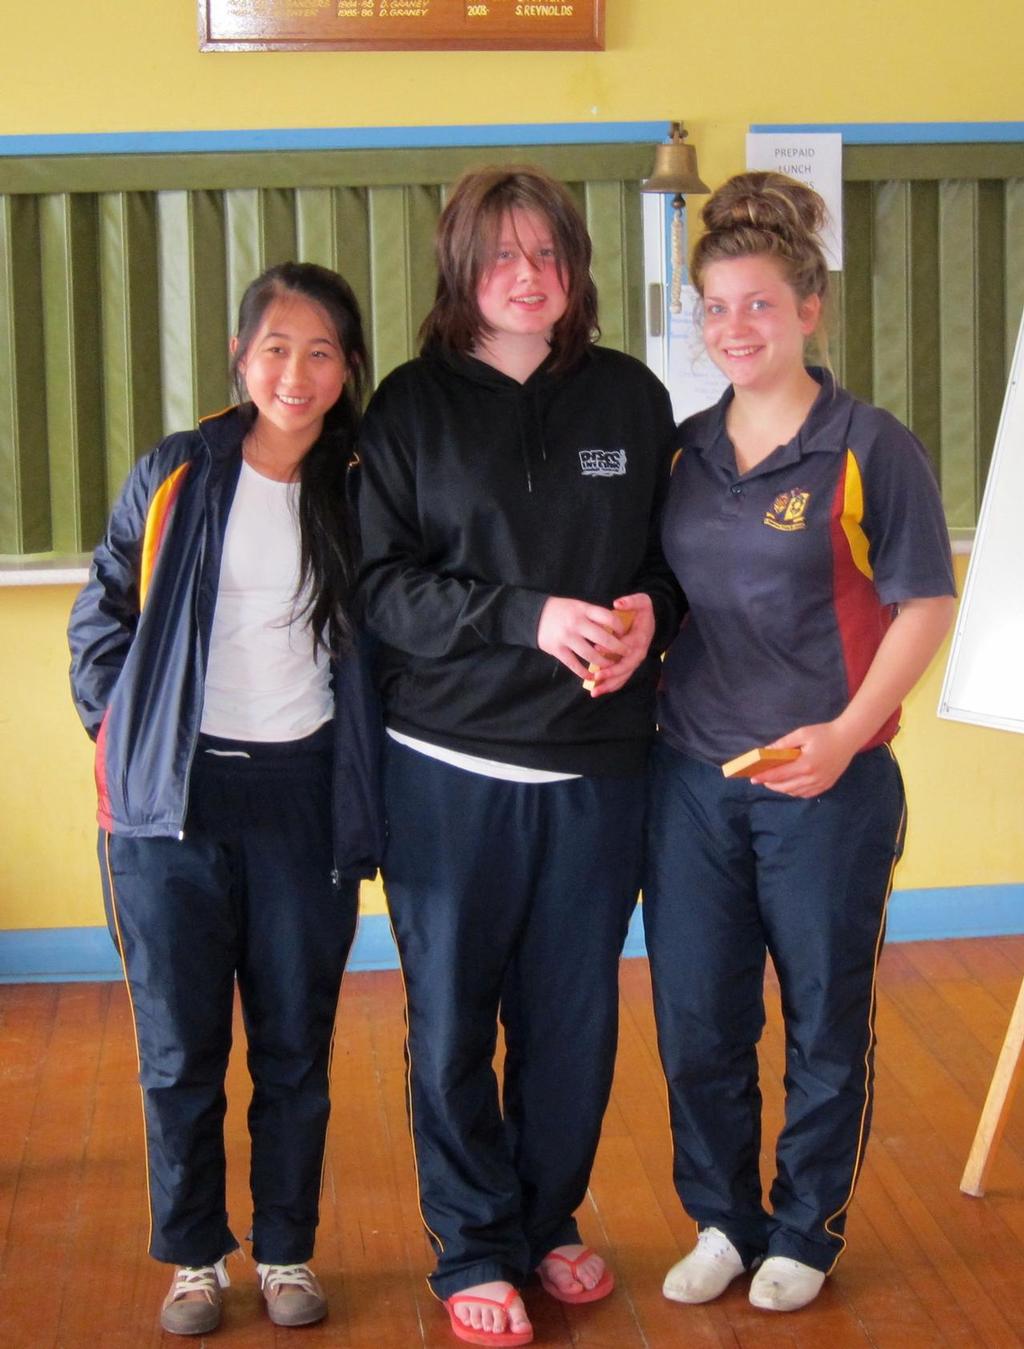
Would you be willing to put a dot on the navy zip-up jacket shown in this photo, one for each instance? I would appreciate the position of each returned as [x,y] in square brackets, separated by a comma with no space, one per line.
[140,634]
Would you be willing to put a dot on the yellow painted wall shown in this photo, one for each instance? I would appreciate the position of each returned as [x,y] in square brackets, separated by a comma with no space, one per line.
[956,778]
[48,869]
[133,65]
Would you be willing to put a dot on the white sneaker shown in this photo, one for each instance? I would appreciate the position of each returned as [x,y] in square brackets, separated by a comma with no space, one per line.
[784,1285]
[706,1272]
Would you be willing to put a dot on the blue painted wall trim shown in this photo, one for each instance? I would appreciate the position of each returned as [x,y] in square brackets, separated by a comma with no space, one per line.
[332,138]
[907,133]
[430,137]
[64,955]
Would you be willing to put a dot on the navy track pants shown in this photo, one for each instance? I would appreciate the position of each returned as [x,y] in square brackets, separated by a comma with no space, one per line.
[513,897]
[735,871]
[249,893]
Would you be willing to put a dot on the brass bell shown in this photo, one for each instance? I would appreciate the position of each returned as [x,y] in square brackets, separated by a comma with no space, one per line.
[675,172]
[675,167]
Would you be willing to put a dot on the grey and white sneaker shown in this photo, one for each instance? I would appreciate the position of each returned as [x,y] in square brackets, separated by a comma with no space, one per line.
[293,1294]
[193,1305]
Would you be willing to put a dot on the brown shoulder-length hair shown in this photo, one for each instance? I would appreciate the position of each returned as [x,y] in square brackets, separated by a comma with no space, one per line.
[467,236]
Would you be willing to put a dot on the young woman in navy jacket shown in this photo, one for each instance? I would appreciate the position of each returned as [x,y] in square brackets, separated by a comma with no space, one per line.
[512,477]
[214,662]
[807,532]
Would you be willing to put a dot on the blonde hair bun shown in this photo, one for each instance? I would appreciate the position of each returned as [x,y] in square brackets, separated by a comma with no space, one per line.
[772,202]
[765,213]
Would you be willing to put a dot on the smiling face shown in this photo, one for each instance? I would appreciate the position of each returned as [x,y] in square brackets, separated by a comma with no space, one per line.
[294,371]
[522,295]
[755,326]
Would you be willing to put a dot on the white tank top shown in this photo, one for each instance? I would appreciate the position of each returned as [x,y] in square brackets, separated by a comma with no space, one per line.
[264,681]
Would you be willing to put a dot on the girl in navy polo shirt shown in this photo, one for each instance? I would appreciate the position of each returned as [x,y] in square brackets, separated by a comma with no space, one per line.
[808,534]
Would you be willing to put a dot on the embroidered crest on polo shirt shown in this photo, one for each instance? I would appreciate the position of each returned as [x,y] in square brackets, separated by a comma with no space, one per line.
[603,463]
[788,511]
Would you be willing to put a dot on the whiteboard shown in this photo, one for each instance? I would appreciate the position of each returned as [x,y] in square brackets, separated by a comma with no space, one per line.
[984,680]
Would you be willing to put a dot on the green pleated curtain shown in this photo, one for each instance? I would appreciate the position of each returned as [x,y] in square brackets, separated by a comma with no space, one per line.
[120,277]
[931,297]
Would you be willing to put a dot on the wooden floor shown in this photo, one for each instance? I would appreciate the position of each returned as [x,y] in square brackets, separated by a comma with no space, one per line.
[926,1265]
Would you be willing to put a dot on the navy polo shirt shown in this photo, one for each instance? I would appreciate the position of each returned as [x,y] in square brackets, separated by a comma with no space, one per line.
[792,571]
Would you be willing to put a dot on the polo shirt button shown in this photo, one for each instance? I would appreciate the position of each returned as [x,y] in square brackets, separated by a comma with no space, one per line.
[736,490]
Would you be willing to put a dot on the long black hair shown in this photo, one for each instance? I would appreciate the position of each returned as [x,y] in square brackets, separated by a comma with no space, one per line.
[328,557]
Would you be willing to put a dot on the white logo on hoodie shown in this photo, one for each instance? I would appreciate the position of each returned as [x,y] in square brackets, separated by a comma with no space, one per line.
[603,463]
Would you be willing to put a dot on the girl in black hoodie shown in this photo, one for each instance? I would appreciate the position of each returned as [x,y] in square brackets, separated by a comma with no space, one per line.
[512,477]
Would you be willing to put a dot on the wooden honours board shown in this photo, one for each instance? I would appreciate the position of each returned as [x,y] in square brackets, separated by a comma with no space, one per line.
[398,25]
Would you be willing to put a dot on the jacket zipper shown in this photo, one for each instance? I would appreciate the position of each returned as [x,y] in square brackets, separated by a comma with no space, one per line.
[199,717]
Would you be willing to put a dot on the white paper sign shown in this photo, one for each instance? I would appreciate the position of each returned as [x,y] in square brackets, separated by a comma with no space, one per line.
[695,382]
[675,344]
[817,160]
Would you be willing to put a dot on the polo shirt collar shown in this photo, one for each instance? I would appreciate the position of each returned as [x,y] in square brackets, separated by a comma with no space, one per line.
[824,430]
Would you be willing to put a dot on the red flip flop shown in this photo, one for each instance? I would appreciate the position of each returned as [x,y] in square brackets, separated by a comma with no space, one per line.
[493,1337]
[601,1289]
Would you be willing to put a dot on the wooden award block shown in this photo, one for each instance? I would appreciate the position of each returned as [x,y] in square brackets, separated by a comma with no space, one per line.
[746,765]
[627,622]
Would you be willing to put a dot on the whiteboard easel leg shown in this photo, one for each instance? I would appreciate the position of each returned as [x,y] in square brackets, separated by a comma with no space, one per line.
[997,1104]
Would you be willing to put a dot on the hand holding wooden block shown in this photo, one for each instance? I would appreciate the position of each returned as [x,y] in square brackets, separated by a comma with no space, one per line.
[754,760]
[627,622]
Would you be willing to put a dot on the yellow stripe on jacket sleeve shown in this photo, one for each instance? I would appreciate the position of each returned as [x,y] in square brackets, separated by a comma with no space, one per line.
[156,520]
[853,516]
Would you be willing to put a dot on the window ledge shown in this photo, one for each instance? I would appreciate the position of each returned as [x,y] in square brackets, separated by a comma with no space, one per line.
[52,569]
[45,569]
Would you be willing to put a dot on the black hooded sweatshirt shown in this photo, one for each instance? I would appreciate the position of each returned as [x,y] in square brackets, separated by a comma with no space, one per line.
[479,498]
